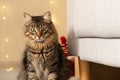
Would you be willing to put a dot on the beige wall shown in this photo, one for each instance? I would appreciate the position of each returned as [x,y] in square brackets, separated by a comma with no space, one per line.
[11,28]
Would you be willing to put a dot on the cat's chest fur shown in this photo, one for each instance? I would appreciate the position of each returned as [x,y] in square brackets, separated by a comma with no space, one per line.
[41,57]
[40,61]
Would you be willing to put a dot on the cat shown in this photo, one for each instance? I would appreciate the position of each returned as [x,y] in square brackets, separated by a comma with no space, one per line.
[74,78]
[44,58]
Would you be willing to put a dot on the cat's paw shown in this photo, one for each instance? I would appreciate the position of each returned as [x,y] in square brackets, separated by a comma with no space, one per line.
[52,76]
[32,75]
[74,78]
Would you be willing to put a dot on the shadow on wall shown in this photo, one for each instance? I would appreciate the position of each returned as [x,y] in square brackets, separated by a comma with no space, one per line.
[73,43]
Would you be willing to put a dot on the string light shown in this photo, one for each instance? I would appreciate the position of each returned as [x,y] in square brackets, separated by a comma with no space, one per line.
[7,56]
[3,6]
[52,5]
[4,9]
[51,2]
[53,20]
[4,18]
[7,40]
[9,69]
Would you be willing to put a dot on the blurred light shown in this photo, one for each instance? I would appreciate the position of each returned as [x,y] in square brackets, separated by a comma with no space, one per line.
[4,18]
[54,20]
[3,6]
[7,40]
[9,69]
[7,56]
[51,2]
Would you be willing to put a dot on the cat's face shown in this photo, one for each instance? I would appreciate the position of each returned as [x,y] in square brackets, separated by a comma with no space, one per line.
[39,29]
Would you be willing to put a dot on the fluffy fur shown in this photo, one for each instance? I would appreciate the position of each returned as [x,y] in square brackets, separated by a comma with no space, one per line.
[44,58]
[74,78]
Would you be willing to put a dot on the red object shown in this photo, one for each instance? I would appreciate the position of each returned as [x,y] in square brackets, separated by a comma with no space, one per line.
[64,45]
[63,40]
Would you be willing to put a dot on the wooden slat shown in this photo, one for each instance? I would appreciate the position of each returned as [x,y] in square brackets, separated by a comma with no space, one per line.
[84,67]
[77,66]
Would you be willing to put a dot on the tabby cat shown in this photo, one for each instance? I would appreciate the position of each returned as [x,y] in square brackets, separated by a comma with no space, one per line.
[44,58]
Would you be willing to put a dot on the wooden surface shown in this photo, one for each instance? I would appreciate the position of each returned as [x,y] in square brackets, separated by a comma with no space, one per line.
[76,61]
[81,68]
[104,72]
[84,67]
[77,66]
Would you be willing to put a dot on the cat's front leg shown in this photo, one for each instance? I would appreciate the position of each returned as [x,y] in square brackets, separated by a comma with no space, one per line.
[53,76]
[32,76]
[31,73]
[39,73]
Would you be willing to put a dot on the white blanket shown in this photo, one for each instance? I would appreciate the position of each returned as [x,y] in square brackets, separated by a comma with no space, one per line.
[97,18]
[104,51]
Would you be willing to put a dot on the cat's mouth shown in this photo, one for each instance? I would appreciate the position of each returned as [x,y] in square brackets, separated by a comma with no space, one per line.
[39,40]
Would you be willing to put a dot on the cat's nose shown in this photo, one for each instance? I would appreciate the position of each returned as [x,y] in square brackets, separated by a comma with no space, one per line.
[38,34]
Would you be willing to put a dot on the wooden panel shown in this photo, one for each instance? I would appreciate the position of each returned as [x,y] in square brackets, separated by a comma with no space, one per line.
[77,66]
[84,66]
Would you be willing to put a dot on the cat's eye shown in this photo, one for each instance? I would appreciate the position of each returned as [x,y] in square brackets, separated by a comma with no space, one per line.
[32,30]
[44,30]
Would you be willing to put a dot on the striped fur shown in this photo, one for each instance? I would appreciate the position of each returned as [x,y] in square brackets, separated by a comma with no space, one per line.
[44,58]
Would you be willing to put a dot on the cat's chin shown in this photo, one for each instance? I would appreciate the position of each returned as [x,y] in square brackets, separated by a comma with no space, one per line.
[39,40]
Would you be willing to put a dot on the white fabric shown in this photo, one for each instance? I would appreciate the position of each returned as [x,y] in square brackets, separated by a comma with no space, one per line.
[104,51]
[97,18]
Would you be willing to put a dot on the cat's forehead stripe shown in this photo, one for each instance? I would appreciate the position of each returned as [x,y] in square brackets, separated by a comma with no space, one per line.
[38,21]
[37,18]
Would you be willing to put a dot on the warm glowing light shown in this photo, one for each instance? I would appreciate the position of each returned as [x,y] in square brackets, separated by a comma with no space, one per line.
[7,40]
[51,2]
[6,56]
[3,6]
[4,18]
[54,20]
[9,69]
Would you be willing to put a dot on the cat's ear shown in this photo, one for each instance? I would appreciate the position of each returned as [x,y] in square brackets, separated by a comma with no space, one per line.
[27,17]
[47,16]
